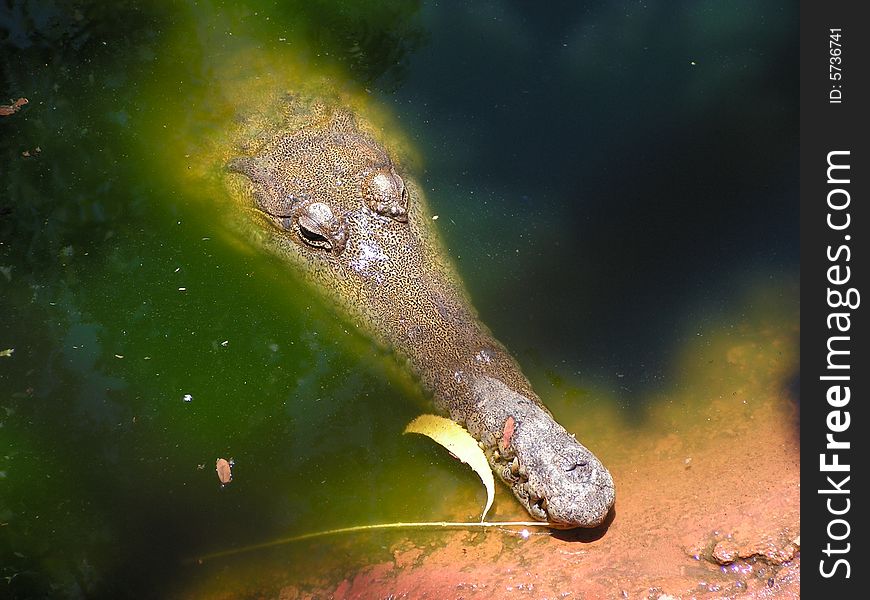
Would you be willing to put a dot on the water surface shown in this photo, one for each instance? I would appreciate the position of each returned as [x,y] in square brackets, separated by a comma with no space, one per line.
[614,181]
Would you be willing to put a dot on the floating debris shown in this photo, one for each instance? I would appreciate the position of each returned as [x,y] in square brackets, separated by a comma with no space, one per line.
[461,445]
[187,398]
[11,109]
[508,433]
[7,353]
[224,470]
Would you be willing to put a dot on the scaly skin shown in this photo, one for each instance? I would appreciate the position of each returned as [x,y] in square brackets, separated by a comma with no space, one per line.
[333,203]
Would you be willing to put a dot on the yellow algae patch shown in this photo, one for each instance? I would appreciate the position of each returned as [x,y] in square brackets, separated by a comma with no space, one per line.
[210,96]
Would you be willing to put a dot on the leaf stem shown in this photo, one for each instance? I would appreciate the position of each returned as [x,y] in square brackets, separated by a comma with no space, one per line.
[377,526]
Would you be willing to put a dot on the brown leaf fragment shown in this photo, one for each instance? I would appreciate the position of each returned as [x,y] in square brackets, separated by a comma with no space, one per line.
[11,109]
[508,432]
[224,470]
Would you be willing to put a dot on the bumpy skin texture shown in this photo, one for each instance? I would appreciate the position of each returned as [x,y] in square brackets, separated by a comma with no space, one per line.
[332,202]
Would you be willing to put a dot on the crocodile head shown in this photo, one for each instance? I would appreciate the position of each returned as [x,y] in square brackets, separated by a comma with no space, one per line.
[320,185]
[332,202]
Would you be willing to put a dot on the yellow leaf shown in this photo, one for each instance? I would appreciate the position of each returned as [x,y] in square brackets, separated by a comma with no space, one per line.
[460,443]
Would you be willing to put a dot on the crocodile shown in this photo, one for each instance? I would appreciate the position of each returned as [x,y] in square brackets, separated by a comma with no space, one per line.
[333,202]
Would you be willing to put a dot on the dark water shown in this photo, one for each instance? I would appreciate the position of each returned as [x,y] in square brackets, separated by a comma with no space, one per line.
[612,179]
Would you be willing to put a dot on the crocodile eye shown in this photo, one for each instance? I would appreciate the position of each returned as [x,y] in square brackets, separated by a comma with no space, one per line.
[384,192]
[318,227]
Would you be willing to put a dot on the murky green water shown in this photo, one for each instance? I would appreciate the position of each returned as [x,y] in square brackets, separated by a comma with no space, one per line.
[610,178]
